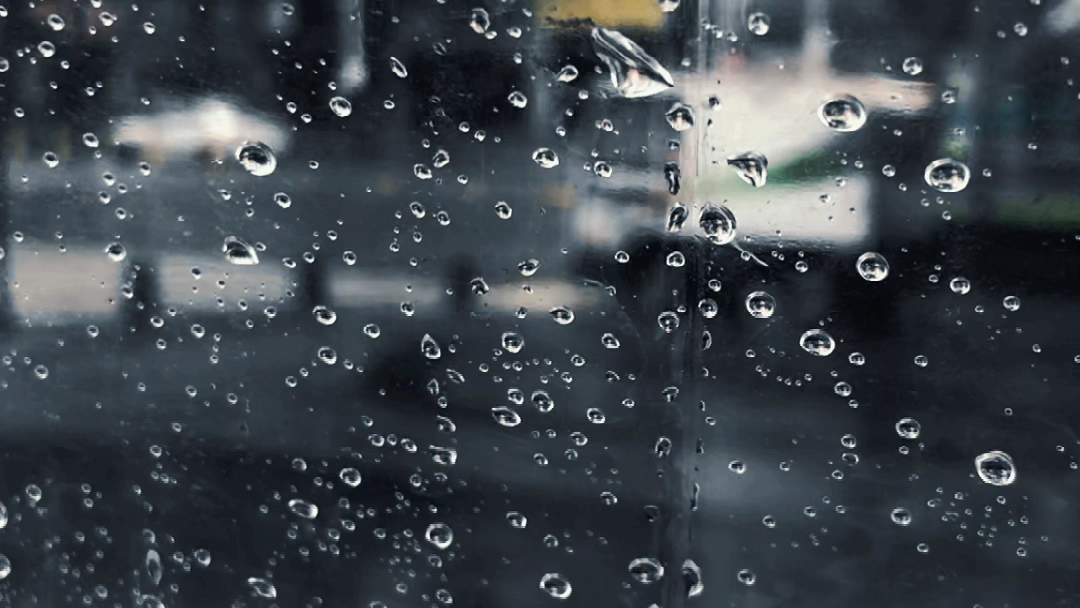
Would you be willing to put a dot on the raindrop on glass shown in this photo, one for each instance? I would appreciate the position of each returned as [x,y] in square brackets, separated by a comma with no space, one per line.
[844,114]
[752,167]
[238,251]
[872,266]
[817,342]
[996,468]
[257,158]
[947,175]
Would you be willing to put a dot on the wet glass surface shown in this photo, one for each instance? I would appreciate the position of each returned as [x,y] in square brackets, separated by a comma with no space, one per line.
[529,303]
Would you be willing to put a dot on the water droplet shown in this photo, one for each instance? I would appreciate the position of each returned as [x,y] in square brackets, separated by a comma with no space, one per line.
[238,251]
[680,116]
[324,315]
[609,341]
[692,578]
[949,95]
[996,468]
[872,266]
[543,401]
[41,372]
[202,557]
[479,286]
[303,508]
[398,68]
[154,569]
[262,587]
[947,175]
[634,73]
[528,267]
[567,74]
[760,305]
[676,259]
[257,158]
[90,140]
[901,516]
[439,534]
[116,251]
[517,99]
[752,167]
[921,360]
[844,114]
[676,217]
[46,48]
[708,308]
[668,321]
[503,210]
[556,585]
[430,347]
[595,415]
[50,159]
[505,416]
[718,224]
[5,566]
[562,315]
[546,158]
[1011,303]
[327,355]
[758,24]
[350,477]
[817,342]
[56,22]
[646,570]
[960,285]
[913,66]
[283,200]
[513,342]
[908,428]
[149,28]
[746,577]
[673,176]
[5,65]
[517,519]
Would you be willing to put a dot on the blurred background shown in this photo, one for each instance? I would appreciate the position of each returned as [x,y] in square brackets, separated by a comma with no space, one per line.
[387,303]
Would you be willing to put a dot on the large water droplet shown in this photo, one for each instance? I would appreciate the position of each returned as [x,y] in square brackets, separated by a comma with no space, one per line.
[562,315]
[646,570]
[947,175]
[154,569]
[752,167]
[262,587]
[350,477]
[673,176]
[844,114]
[528,267]
[996,468]
[542,400]
[668,321]
[324,314]
[398,68]
[609,341]
[718,224]
[568,73]
[517,99]
[556,585]
[680,116]
[960,285]
[480,20]
[50,159]
[913,66]
[1011,303]
[900,516]
[257,158]
[692,578]
[303,508]
[340,106]
[442,456]
[872,266]
[505,416]
[758,24]
[546,158]
[908,428]
[430,347]
[634,73]
[760,305]
[5,566]
[439,534]
[517,519]
[116,251]
[676,217]
[817,342]
[513,342]
[746,577]
[238,251]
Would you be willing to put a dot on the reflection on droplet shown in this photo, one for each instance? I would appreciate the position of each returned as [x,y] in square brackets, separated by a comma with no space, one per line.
[324,315]
[752,167]
[303,508]
[567,74]
[676,217]
[913,66]
[562,315]
[947,175]
[517,519]
[517,99]
[556,585]
[1011,303]
[634,73]
[50,159]
[691,573]
[238,251]
[760,305]
[257,158]
[609,341]
[646,570]
[718,224]
[908,428]
[817,342]
[546,158]
[480,20]
[398,68]
[900,516]
[668,321]
[680,116]
[154,569]
[676,259]
[340,106]
[430,348]
[439,534]
[283,200]
[996,468]
[844,114]
[872,266]
[746,577]
[960,285]
[503,210]
[90,140]
[758,24]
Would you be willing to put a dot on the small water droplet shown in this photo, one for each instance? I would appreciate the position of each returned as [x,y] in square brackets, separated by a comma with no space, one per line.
[562,315]
[758,24]
[908,428]
[718,224]
[567,74]
[505,416]
[439,534]
[116,251]
[350,477]
[647,570]
[238,251]
[913,66]
[546,158]
[676,217]
[50,159]
[900,516]
[503,210]
[1011,303]
[430,348]
[947,175]
[398,68]
[746,577]
[480,20]
[324,315]
[668,321]
[262,587]
[513,342]
[303,508]
[517,99]
[556,585]
[844,114]
[960,285]
[56,22]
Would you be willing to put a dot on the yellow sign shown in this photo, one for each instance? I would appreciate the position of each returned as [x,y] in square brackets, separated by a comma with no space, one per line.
[612,13]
